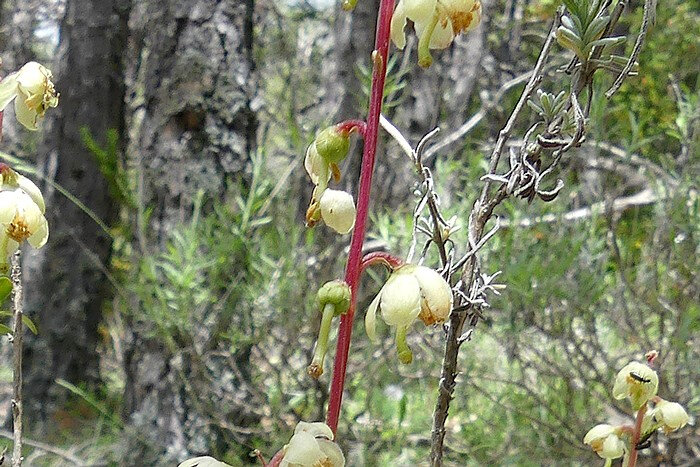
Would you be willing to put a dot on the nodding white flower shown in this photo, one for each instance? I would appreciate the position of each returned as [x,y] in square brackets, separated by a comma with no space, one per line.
[204,461]
[312,446]
[338,210]
[636,381]
[437,22]
[20,219]
[33,91]
[410,292]
[671,414]
[605,441]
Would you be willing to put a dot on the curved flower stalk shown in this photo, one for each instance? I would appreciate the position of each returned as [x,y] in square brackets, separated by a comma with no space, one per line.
[411,292]
[33,92]
[437,22]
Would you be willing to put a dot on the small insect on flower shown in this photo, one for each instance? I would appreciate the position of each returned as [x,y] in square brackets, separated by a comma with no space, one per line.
[639,378]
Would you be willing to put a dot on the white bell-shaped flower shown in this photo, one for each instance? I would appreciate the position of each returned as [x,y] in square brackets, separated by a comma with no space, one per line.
[671,414]
[338,210]
[605,441]
[33,92]
[21,219]
[312,446]
[636,381]
[410,292]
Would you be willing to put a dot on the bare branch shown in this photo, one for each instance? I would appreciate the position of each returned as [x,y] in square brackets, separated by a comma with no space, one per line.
[16,276]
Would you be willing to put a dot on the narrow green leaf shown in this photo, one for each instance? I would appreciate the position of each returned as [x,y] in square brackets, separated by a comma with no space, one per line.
[5,330]
[5,288]
[30,324]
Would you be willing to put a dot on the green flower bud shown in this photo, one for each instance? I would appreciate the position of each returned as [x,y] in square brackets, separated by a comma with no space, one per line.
[332,145]
[336,293]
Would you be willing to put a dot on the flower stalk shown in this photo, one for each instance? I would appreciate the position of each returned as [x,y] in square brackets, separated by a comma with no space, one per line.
[636,435]
[353,267]
[17,361]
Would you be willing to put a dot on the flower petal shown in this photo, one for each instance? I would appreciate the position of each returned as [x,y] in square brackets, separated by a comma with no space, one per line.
[316,429]
[419,10]
[302,449]
[436,293]
[315,166]
[204,461]
[332,452]
[400,300]
[8,90]
[338,210]
[442,35]
[371,318]
[398,23]
[30,188]
[25,115]
[40,235]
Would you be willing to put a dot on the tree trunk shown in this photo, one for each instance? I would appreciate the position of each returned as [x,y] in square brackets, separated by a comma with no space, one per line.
[66,279]
[193,130]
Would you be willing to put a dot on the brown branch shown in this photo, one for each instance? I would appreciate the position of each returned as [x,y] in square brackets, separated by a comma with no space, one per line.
[480,214]
[647,19]
[16,276]
[48,448]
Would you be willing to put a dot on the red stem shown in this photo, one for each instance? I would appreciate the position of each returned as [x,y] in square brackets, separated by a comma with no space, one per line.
[636,435]
[348,126]
[352,271]
[381,257]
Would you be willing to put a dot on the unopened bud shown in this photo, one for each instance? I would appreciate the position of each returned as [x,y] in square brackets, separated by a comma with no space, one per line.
[333,145]
[336,293]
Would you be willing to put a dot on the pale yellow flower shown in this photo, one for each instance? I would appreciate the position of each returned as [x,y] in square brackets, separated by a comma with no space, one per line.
[605,441]
[636,381]
[338,210]
[671,414]
[20,219]
[437,22]
[33,92]
[312,446]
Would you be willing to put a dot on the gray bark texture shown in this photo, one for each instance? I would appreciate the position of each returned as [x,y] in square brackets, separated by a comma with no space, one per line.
[192,130]
[66,285]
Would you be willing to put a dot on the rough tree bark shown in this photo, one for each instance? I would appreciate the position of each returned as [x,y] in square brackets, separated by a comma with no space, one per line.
[193,129]
[65,280]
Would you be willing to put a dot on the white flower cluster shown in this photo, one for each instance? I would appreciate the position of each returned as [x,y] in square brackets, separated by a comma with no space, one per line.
[639,383]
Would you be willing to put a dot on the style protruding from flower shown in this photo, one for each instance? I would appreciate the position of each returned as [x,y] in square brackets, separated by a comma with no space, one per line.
[312,446]
[33,92]
[335,207]
[637,382]
[334,300]
[670,416]
[410,292]
[605,441]
[21,214]
[437,22]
